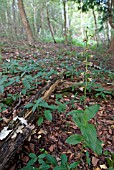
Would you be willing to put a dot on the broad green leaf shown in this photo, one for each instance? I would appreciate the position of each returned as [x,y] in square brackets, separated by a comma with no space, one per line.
[40,120]
[41,156]
[64,159]
[51,160]
[34,107]
[32,161]
[23,91]
[73,112]
[88,160]
[1,118]
[74,139]
[48,115]
[1,89]
[74,165]
[53,107]
[44,167]
[43,104]
[11,81]
[61,107]
[61,167]
[78,119]
[90,135]
[38,101]
[98,148]
[26,84]
[29,105]
[32,155]
[41,161]
[3,79]
[91,111]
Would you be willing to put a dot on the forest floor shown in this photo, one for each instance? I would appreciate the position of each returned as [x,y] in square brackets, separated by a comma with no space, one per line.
[26,70]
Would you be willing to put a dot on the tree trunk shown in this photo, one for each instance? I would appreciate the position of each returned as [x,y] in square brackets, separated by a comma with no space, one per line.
[14,17]
[25,22]
[96,28]
[66,26]
[49,23]
[110,10]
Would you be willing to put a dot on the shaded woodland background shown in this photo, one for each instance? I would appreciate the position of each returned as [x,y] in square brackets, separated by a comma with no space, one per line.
[58,21]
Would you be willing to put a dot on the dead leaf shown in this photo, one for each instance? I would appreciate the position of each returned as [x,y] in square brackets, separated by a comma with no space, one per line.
[97,168]
[52,147]
[94,161]
[32,146]
[103,166]
[42,132]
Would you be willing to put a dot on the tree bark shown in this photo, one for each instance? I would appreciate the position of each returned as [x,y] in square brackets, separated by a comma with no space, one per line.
[96,28]
[66,27]
[49,23]
[25,22]
[110,10]
[14,17]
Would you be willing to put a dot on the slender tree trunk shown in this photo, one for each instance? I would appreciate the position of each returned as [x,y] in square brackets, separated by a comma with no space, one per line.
[49,23]
[108,33]
[25,22]
[14,16]
[66,26]
[82,30]
[35,13]
[96,28]
[111,7]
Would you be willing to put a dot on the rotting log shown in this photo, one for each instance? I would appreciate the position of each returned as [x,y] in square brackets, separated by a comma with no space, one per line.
[19,131]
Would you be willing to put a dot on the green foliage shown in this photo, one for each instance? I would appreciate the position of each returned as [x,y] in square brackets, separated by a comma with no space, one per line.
[88,131]
[102,93]
[47,161]
[109,159]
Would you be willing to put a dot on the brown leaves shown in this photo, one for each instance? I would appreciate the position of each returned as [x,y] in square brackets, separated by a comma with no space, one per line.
[94,161]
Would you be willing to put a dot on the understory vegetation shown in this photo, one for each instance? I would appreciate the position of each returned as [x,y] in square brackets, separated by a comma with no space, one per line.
[56,84]
[84,95]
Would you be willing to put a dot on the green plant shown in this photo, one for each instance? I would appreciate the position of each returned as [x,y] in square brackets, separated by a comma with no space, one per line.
[81,118]
[2,81]
[88,135]
[47,161]
[1,119]
[46,113]
[102,93]
[109,159]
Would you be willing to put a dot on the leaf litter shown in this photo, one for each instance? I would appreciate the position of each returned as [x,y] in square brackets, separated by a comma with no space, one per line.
[37,66]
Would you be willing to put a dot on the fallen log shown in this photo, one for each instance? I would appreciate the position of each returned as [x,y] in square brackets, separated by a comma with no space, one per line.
[20,128]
